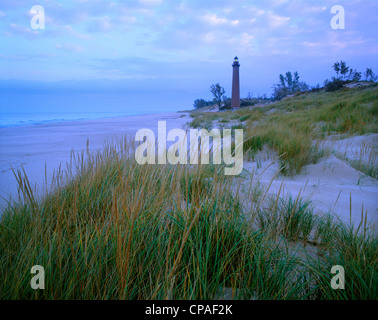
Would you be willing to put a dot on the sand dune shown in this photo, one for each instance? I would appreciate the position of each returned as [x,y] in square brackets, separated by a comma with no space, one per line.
[330,183]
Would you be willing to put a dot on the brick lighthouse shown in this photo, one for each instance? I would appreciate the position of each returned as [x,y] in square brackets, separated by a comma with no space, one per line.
[235,99]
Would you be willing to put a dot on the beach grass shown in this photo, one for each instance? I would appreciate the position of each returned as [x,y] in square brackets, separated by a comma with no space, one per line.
[295,126]
[110,228]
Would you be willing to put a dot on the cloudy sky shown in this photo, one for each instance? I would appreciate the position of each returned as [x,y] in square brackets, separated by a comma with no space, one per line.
[169,52]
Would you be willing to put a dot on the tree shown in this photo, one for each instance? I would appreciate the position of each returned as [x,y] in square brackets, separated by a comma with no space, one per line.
[343,75]
[226,103]
[343,69]
[336,67]
[288,84]
[370,75]
[218,93]
[333,85]
[280,89]
[303,86]
[356,76]
[289,80]
[199,103]
[296,83]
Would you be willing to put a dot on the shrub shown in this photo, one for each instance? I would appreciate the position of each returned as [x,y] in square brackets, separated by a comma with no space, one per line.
[333,85]
[246,103]
[201,103]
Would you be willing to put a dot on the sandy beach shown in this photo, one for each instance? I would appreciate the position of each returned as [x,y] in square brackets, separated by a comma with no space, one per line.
[330,184]
[51,144]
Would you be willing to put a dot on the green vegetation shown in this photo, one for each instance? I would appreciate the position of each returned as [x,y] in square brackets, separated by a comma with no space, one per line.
[295,126]
[113,229]
[289,84]
[218,93]
[201,103]
[118,230]
[345,75]
[370,75]
[293,219]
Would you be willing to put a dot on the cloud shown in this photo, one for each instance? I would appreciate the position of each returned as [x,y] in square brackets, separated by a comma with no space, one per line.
[69,47]
[14,57]
[68,29]
[310,44]
[11,4]
[214,20]
[150,2]
[179,34]
[275,3]
[103,25]
[15,29]
[277,21]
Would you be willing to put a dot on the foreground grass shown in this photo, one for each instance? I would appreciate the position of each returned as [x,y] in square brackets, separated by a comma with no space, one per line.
[118,230]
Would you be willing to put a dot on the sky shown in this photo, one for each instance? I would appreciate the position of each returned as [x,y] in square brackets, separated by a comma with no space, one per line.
[161,55]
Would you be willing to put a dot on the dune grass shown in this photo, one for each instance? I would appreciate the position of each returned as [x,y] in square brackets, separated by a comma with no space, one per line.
[364,159]
[295,126]
[119,230]
[292,218]
[109,228]
[357,253]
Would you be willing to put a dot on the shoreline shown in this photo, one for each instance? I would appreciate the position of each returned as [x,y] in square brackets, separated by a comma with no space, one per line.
[34,145]
[63,121]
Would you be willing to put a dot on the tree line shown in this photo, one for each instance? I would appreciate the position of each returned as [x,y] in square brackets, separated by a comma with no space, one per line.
[346,74]
[290,84]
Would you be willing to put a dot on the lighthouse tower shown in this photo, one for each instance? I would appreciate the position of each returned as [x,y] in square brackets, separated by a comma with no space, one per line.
[235,99]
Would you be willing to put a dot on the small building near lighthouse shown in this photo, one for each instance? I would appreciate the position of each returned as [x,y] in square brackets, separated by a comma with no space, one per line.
[235,98]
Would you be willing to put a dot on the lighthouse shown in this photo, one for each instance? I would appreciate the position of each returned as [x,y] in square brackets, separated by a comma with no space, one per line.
[235,99]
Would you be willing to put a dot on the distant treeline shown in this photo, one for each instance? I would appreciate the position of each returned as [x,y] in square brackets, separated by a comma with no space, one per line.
[290,84]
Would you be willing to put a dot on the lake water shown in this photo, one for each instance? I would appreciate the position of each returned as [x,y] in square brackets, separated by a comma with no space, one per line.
[27,106]
[20,119]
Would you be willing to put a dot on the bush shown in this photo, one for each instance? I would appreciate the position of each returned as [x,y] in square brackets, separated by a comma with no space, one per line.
[334,85]
[226,106]
[289,84]
[246,103]
[201,103]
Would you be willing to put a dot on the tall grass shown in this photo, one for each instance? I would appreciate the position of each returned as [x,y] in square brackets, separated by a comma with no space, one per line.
[364,159]
[119,230]
[113,229]
[294,126]
[357,253]
[291,218]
